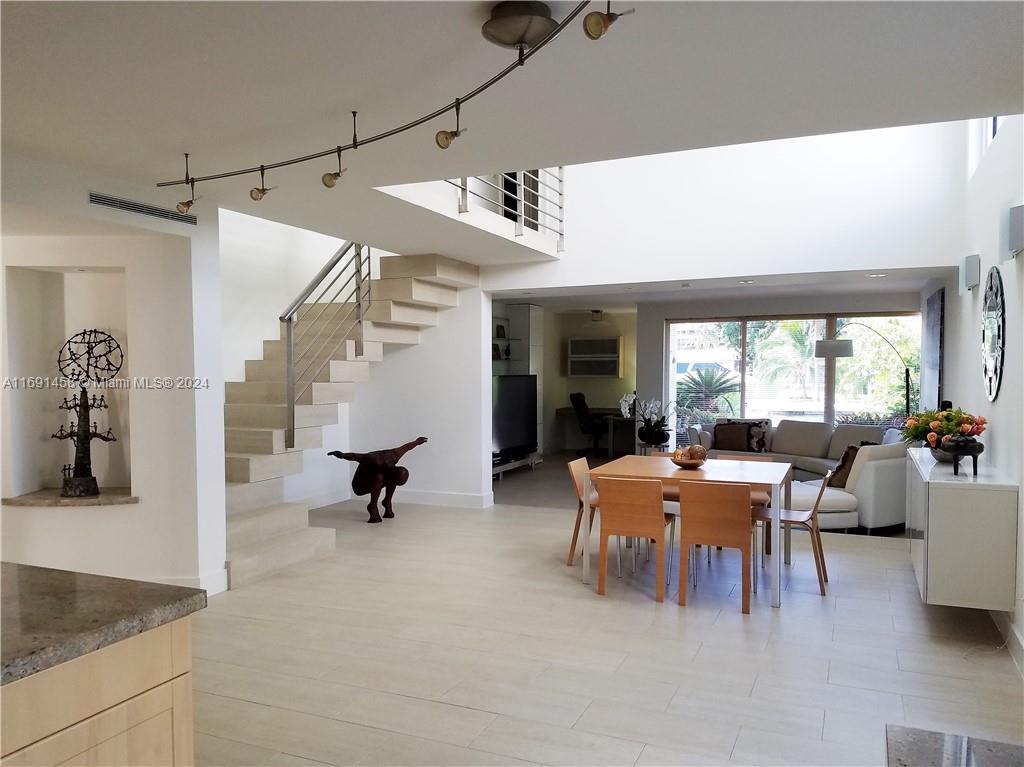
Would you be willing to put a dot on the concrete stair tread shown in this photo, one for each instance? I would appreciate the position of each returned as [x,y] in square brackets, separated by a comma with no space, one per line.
[412,290]
[256,467]
[250,527]
[256,560]
[431,267]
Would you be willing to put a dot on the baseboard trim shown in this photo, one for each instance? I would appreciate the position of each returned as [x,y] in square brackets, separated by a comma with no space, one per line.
[441,498]
[214,582]
[1012,635]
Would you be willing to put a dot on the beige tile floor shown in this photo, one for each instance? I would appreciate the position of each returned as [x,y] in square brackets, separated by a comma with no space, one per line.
[459,637]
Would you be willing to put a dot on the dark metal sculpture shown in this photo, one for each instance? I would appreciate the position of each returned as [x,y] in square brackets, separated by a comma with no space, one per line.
[379,471]
[89,357]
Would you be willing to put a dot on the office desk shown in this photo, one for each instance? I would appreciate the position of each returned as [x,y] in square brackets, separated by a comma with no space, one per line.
[613,417]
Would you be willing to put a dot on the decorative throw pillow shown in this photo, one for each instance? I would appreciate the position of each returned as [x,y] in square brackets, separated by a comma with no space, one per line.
[842,472]
[732,436]
[757,441]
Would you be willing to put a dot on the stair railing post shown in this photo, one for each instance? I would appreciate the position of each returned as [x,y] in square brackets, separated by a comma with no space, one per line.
[289,378]
[561,209]
[519,203]
[359,300]
[464,195]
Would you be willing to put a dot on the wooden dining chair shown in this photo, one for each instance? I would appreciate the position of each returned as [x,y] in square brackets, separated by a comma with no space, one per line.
[760,499]
[577,469]
[807,520]
[715,514]
[634,508]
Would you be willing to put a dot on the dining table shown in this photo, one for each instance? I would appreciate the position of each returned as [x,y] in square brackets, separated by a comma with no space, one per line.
[778,476]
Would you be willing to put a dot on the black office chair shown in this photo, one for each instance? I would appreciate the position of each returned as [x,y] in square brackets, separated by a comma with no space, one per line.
[593,426]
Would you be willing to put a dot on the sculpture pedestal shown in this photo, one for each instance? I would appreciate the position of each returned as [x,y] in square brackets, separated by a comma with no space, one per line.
[80,487]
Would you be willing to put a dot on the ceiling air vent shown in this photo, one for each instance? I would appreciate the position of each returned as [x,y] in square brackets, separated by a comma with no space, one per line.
[98,198]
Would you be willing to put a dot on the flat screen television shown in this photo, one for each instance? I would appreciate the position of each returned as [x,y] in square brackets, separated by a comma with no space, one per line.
[513,416]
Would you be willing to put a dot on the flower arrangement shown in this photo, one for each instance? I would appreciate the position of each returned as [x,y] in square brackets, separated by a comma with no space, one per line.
[651,412]
[937,427]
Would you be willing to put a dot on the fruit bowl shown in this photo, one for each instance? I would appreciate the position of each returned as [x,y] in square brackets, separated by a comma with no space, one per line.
[688,463]
[691,457]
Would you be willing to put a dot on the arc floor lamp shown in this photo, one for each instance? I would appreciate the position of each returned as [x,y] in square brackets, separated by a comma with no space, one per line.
[830,348]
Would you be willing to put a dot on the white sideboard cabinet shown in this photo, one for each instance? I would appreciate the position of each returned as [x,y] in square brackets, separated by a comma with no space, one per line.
[963,532]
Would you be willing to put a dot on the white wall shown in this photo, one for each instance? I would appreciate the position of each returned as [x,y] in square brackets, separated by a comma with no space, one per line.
[878,199]
[994,188]
[49,199]
[158,538]
[440,390]
[32,459]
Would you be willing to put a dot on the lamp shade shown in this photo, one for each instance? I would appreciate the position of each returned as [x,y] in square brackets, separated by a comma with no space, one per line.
[833,347]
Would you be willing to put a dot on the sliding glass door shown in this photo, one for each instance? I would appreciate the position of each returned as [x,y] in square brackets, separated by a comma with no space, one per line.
[766,368]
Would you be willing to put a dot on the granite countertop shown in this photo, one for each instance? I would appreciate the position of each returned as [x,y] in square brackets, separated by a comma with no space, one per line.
[49,616]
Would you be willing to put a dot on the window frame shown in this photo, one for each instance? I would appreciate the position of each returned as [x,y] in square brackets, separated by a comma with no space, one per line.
[830,319]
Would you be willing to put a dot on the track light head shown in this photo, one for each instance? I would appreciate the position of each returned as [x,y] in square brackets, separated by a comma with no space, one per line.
[184,206]
[257,193]
[596,23]
[444,138]
[330,179]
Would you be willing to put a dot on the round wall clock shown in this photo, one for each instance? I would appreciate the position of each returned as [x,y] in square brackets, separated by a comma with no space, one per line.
[993,333]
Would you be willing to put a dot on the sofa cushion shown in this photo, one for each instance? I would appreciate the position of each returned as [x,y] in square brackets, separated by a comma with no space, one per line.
[834,499]
[892,436]
[759,435]
[732,436]
[873,453]
[817,466]
[842,471]
[809,438]
[852,434]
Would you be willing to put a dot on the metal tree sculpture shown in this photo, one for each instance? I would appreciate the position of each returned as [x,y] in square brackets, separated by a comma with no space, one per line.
[91,356]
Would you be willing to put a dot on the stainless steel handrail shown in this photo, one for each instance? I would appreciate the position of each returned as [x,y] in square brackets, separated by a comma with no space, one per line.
[358,301]
[539,211]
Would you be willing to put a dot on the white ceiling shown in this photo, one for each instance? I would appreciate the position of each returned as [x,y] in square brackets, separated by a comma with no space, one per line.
[625,296]
[127,87]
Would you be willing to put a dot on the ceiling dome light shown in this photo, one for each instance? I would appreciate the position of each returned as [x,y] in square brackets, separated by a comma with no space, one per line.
[596,23]
[257,193]
[517,24]
[330,179]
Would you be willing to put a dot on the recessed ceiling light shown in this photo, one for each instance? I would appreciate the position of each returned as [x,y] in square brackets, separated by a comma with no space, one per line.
[684,284]
[527,292]
[80,269]
[746,282]
[876,275]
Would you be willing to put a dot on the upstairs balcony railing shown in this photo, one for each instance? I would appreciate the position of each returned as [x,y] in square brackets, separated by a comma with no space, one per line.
[529,199]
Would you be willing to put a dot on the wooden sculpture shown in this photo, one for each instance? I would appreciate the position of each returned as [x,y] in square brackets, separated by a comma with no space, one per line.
[379,471]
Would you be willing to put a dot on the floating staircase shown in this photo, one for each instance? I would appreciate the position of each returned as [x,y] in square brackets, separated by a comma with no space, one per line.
[265,533]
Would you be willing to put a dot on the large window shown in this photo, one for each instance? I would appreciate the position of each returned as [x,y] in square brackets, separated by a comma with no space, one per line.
[870,386]
[766,368]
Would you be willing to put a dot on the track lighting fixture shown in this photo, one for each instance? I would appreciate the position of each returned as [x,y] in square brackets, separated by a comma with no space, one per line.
[330,179]
[525,26]
[257,193]
[444,138]
[184,206]
[596,23]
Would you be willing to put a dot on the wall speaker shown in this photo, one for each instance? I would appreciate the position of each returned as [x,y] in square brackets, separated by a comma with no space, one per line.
[1016,233]
[970,273]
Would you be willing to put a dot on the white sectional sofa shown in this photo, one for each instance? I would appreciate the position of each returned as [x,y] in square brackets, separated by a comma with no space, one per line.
[875,491]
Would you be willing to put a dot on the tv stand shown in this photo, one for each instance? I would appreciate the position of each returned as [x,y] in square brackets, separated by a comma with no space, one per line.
[498,470]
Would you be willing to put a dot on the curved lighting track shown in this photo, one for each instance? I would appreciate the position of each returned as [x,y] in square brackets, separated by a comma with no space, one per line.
[520,61]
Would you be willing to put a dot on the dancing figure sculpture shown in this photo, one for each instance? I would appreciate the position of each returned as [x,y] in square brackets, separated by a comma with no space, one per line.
[379,471]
